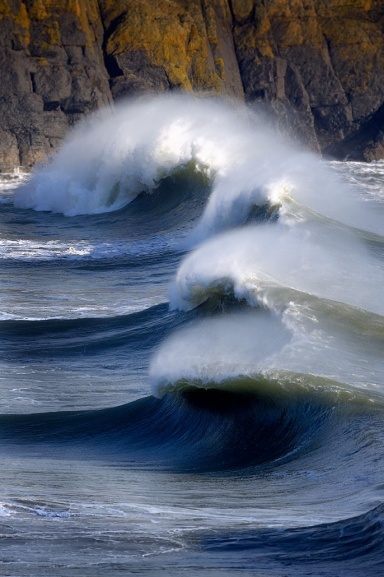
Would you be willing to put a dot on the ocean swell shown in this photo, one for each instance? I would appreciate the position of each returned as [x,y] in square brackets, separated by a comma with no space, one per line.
[114,157]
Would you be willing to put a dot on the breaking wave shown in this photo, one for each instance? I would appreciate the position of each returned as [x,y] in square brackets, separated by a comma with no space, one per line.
[110,160]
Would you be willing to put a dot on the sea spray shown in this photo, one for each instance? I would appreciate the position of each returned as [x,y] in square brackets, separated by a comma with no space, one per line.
[266,446]
[272,264]
[217,349]
[314,281]
[105,164]
[119,154]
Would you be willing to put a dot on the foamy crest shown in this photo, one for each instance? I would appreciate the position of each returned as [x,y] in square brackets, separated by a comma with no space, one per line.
[272,265]
[108,162]
[217,349]
[240,351]
[319,286]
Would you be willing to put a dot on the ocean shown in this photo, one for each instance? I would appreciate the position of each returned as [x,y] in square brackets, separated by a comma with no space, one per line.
[191,352]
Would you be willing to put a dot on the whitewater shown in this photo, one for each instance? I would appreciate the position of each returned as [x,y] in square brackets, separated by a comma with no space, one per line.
[191,345]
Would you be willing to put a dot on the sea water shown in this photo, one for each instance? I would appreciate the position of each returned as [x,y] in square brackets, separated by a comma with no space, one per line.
[192,342]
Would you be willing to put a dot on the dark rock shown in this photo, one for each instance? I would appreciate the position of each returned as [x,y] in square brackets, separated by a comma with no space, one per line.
[52,71]
[315,67]
[135,74]
[319,65]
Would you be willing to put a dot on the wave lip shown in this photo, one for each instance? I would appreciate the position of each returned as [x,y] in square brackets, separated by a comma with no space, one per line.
[108,162]
[217,350]
[260,263]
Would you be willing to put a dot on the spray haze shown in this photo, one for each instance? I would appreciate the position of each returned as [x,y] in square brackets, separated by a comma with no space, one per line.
[280,230]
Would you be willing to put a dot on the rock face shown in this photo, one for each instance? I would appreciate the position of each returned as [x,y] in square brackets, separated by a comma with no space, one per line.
[168,45]
[52,73]
[316,66]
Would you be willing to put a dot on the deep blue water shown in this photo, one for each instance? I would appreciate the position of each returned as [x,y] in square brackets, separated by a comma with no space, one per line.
[191,354]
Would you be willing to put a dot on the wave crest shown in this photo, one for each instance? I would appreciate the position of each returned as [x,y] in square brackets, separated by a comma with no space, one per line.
[273,265]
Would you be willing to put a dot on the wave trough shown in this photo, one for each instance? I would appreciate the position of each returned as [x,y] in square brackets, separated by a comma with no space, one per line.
[262,440]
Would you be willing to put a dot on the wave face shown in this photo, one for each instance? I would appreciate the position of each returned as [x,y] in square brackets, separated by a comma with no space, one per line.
[108,162]
[192,366]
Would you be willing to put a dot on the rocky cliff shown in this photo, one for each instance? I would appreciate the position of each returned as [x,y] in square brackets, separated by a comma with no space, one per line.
[315,66]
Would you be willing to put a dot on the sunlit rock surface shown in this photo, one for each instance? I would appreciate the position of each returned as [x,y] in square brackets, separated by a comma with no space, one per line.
[315,66]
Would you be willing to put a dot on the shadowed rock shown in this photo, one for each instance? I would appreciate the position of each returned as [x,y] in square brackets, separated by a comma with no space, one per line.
[315,66]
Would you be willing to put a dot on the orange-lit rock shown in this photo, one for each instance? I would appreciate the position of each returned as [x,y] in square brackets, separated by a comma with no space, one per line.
[315,66]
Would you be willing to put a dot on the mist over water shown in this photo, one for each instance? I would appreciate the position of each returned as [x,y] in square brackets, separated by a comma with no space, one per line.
[191,352]
[110,160]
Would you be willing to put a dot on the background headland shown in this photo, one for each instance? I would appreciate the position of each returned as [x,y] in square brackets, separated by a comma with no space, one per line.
[316,67]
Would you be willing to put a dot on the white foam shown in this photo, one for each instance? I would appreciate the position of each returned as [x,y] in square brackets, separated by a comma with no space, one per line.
[44,250]
[366,178]
[316,277]
[261,264]
[249,351]
[217,349]
[4,510]
[108,162]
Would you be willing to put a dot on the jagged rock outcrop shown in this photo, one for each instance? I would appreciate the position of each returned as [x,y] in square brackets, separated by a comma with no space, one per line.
[316,66]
